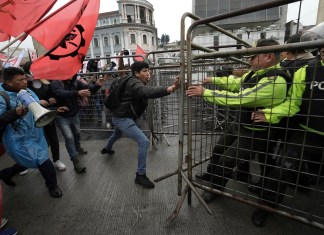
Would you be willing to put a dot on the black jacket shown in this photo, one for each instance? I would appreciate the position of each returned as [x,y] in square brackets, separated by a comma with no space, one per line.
[66,94]
[134,99]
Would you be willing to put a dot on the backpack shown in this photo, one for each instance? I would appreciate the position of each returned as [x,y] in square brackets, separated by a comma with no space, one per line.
[2,128]
[112,100]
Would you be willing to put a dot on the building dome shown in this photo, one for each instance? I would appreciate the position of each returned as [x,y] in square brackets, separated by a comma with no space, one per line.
[131,25]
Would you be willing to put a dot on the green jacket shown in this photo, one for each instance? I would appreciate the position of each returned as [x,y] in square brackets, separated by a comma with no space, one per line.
[291,105]
[258,93]
[267,92]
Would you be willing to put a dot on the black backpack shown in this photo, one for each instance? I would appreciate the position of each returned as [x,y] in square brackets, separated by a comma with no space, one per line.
[112,100]
[6,98]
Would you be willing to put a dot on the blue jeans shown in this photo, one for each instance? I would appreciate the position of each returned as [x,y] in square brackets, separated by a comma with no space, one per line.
[129,127]
[70,128]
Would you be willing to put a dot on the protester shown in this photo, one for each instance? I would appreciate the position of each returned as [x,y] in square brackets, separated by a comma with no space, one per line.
[24,143]
[68,93]
[42,88]
[133,102]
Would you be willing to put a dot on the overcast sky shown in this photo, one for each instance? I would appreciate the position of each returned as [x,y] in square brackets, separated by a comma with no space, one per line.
[168,13]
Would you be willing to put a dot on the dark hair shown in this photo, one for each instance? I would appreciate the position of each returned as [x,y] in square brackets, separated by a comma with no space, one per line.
[267,42]
[26,67]
[137,66]
[295,39]
[10,72]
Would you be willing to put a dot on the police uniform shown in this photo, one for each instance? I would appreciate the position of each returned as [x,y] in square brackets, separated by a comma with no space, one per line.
[263,88]
[304,150]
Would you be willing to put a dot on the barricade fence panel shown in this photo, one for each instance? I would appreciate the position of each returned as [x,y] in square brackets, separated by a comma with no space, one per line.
[275,165]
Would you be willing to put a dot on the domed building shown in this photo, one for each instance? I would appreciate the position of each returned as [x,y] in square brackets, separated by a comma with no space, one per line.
[133,24]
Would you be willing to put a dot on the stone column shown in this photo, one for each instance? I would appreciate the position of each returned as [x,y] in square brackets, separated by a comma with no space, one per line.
[111,37]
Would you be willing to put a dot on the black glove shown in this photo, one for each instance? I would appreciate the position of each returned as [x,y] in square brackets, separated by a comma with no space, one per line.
[224,71]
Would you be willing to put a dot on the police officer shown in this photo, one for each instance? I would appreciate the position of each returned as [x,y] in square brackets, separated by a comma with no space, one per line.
[305,146]
[263,86]
[294,60]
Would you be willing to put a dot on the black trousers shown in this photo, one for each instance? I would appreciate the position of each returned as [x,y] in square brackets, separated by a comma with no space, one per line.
[300,163]
[46,168]
[52,140]
[234,149]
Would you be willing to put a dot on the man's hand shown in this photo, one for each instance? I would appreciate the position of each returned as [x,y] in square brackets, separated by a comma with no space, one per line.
[175,85]
[195,91]
[21,110]
[207,80]
[84,93]
[100,81]
[52,101]
[258,116]
[44,103]
[62,109]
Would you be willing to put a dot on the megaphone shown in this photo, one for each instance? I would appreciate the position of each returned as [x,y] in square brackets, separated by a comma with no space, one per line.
[42,116]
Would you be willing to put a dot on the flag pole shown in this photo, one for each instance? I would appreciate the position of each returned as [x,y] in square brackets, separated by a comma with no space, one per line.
[24,34]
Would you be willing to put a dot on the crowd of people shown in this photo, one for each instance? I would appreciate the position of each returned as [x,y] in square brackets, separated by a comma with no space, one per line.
[275,94]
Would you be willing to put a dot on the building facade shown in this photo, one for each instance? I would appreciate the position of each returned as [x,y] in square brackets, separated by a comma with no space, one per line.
[249,27]
[131,25]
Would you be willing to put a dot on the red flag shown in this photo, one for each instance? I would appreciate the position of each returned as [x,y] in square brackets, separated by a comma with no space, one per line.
[18,15]
[65,60]
[51,31]
[4,37]
[139,51]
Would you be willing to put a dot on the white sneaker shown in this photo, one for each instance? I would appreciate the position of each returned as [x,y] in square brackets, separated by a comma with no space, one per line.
[3,222]
[60,165]
[23,172]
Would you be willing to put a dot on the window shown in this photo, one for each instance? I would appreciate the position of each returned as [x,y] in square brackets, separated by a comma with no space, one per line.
[153,41]
[144,39]
[150,17]
[263,35]
[216,42]
[116,40]
[105,41]
[142,15]
[132,38]
[130,13]
[95,42]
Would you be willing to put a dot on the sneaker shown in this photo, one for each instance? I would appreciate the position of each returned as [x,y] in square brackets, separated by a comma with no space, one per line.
[9,231]
[7,180]
[78,167]
[60,165]
[109,151]
[82,151]
[23,172]
[3,222]
[144,181]
[55,191]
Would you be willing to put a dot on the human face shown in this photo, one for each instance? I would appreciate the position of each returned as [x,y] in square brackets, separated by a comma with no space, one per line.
[18,82]
[322,53]
[283,55]
[261,61]
[143,75]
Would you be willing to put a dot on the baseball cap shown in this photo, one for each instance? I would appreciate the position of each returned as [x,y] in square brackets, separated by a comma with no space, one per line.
[263,43]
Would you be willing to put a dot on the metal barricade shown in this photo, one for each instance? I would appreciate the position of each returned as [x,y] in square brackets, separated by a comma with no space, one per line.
[201,124]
